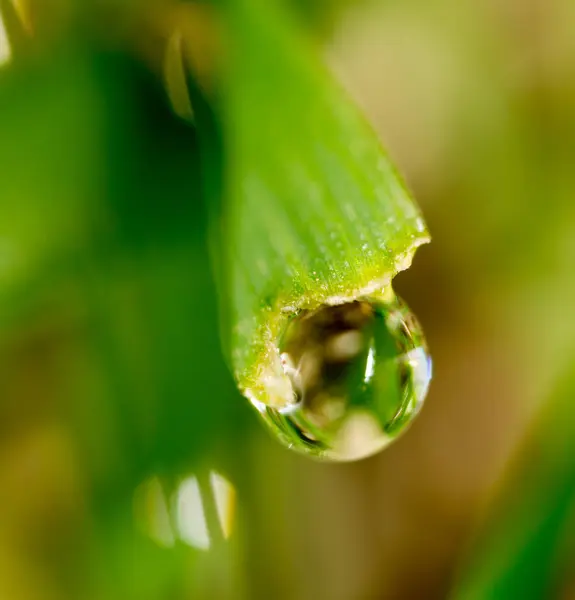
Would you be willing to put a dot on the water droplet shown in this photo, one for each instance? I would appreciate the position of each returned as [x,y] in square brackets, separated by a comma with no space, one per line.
[353,377]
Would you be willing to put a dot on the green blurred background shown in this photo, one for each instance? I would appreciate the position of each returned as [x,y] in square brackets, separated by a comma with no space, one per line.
[117,413]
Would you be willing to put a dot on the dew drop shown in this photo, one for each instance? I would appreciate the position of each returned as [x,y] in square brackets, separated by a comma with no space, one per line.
[354,376]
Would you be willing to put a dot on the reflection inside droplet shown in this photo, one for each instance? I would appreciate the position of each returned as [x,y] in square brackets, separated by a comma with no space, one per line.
[349,379]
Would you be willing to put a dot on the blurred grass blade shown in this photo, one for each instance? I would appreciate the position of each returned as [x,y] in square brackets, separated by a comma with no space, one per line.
[316,213]
[107,303]
[521,553]
[102,229]
[16,36]
[49,120]
[175,78]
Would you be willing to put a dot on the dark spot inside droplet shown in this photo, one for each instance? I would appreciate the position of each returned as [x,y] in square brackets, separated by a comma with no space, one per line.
[404,375]
[324,347]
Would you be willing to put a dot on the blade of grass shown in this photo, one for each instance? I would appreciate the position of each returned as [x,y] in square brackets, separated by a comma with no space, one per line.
[102,220]
[520,551]
[315,211]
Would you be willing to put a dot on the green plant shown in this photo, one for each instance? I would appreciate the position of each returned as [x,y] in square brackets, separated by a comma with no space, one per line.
[178,203]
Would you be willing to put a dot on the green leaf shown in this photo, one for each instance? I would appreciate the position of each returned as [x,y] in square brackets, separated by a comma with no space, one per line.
[520,551]
[315,211]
